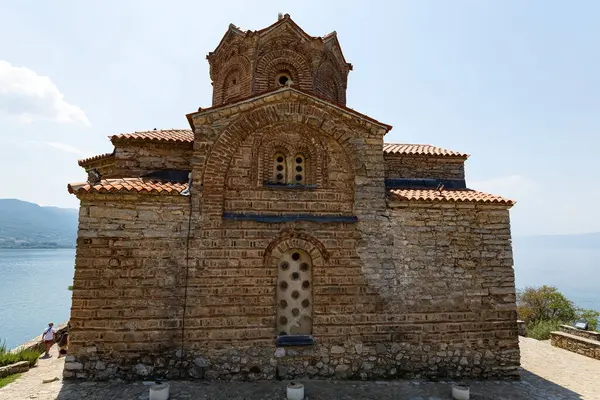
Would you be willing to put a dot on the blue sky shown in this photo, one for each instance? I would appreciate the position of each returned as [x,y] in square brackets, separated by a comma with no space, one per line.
[515,84]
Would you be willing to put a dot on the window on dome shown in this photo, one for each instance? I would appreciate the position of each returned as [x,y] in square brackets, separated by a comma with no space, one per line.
[283,78]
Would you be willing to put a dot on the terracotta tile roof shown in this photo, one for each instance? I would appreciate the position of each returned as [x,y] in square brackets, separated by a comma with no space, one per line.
[128,185]
[160,135]
[420,149]
[95,158]
[446,196]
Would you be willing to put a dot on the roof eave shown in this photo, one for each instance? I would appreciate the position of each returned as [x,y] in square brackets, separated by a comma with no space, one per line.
[253,98]
[116,140]
[333,37]
[232,29]
[286,19]
[398,203]
[462,157]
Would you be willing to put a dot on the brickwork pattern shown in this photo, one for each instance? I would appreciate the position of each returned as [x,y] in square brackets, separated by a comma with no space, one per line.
[134,158]
[248,63]
[406,166]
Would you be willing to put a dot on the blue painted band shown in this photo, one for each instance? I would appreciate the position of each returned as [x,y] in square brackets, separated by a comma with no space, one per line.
[295,340]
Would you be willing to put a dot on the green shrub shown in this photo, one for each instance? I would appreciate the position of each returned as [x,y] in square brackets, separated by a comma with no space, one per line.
[541,329]
[6,357]
[29,355]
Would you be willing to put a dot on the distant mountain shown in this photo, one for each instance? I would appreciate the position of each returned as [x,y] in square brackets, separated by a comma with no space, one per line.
[28,225]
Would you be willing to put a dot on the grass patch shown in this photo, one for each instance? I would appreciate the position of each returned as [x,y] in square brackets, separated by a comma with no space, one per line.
[8,379]
[6,357]
[541,330]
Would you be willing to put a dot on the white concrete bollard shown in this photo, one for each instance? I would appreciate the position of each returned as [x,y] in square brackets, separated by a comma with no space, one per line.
[460,392]
[295,391]
[160,391]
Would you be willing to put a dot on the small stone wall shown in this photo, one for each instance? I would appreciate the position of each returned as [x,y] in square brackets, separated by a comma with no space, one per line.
[18,367]
[576,344]
[592,335]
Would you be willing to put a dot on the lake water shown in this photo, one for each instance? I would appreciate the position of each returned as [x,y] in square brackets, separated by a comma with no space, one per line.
[33,291]
[575,272]
[33,285]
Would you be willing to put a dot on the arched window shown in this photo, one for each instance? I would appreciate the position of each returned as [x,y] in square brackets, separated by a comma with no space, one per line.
[294,293]
[279,168]
[285,164]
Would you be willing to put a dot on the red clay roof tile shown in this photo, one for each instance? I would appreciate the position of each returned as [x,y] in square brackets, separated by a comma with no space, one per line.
[456,195]
[420,149]
[161,135]
[128,185]
[94,158]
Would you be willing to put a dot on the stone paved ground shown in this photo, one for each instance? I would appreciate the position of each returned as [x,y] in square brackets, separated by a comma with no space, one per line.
[548,373]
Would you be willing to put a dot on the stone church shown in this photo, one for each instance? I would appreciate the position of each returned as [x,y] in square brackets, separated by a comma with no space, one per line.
[280,237]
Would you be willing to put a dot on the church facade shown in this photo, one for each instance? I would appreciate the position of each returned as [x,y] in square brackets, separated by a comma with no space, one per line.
[282,237]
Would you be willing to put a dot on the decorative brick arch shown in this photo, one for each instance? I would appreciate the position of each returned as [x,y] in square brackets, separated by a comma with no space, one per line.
[329,84]
[271,140]
[289,239]
[267,68]
[222,152]
[239,63]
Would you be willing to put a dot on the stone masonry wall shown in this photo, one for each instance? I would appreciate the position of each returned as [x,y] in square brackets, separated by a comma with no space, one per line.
[369,322]
[402,166]
[127,289]
[576,344]
[135,158]
[446,273]
[419,290]
[592,335]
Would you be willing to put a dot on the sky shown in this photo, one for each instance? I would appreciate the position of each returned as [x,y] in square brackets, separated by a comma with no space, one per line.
[514,84]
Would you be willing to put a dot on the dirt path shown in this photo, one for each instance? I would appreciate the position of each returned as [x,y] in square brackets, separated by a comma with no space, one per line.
[548,373]
[30,386]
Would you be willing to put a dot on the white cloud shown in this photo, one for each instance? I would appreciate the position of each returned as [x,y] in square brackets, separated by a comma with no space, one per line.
[28,96]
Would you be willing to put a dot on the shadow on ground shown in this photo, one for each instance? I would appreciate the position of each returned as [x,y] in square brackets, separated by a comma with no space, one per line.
[531,387]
